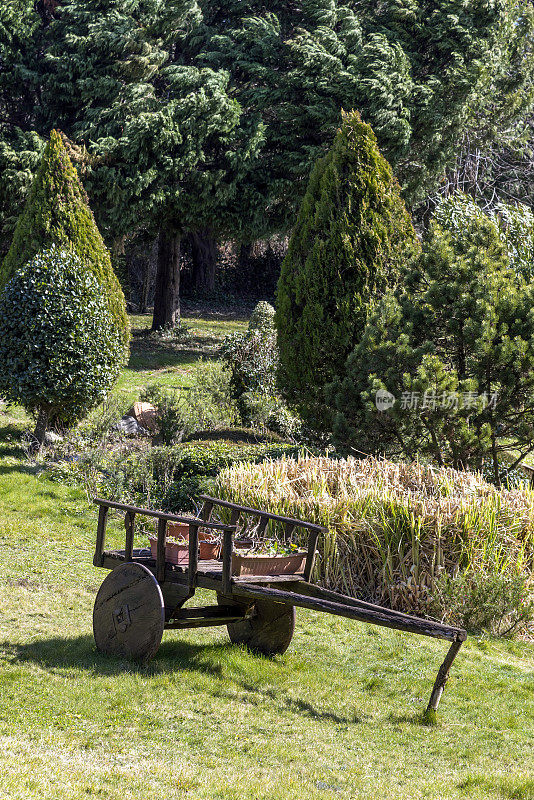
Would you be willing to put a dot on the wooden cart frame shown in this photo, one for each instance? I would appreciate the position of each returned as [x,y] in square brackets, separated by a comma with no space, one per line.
[143,596]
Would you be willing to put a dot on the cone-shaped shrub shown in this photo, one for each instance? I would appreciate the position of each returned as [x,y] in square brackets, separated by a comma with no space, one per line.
[60,349]
[352,235]
[57,213]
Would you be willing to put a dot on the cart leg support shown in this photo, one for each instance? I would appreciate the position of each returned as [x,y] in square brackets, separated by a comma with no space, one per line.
[439,685]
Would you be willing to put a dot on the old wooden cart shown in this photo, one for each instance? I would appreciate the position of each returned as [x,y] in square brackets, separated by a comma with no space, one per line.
[143,596]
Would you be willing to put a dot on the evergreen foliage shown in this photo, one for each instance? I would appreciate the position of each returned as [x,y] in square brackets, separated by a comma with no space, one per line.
[60,349]
[352,237]
[455,347]
[57,213]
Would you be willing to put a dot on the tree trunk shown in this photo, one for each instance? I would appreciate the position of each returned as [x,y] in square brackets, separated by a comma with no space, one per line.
[204,259]
[167,293]
[40,427]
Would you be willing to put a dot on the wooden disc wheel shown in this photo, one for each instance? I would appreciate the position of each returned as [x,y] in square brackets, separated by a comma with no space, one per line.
[269,626]
[129,614]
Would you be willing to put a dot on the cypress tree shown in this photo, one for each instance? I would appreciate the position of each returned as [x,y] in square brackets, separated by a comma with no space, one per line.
[352,236]
[57,213]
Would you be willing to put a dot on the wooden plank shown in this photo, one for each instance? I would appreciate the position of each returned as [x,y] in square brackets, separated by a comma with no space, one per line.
[267,579]
[160,559]
[193,555]
[380,617]
[260,513]
[310,558]
[148,512]
[98,559]
[228,545]
[129,523]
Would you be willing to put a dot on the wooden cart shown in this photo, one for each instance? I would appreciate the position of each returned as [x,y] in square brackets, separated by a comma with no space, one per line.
[143,596]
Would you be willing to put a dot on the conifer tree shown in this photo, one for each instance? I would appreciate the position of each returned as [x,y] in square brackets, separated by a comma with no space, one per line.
[165,147]
[352,237]
[57,213]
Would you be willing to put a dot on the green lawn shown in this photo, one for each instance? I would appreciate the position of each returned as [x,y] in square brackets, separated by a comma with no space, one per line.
[338,716]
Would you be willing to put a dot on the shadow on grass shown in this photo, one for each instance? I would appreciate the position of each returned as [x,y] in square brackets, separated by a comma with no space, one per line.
[10,442]
[146,355]
[80,655]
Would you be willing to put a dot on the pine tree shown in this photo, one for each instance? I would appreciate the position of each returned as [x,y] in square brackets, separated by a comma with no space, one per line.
[57,213]
[412,70]
[455,350]
[352,237]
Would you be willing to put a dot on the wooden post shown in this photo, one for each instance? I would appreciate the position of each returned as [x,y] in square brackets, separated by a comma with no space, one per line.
[207,508]
[193,555]
[441,680]
[160,560]
[98,559]
[228,545]
[310,558]
[288,530]
[129,523]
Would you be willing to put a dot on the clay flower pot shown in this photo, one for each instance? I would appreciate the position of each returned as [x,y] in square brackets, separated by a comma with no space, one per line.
[175,553]
[269,565]
[178,530]
[209,547]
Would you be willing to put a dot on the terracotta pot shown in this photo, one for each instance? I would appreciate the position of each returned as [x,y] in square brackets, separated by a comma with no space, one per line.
[177,530]
[209,549]
[174,553]
[269,565]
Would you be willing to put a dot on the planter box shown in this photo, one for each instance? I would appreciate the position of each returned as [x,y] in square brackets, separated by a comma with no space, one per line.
[269,565]
[174,553]
[209,549]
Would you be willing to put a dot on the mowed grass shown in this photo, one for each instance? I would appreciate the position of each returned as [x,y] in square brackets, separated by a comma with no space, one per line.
[170,362]
[338,716]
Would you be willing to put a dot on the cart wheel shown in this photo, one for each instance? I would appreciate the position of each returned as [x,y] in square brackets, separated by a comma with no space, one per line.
[267,631]
[129,615]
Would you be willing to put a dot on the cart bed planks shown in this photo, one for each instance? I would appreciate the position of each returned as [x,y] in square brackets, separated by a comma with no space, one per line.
[142,596]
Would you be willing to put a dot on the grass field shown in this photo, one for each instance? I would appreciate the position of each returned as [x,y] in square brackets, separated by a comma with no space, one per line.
[338,716]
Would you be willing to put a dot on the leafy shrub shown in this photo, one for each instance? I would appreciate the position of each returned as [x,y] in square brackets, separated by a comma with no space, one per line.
[252,359]
[477,601]
[352,237]
[394,529]
[252,356]
[455,348]
[60,351]
[206,404]
[162,477]
[57,213]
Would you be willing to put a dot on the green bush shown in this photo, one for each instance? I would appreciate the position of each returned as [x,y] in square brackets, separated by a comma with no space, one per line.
[204,405]
[60,350]
[352,237]
[57,213]
[163,477]
[485,601]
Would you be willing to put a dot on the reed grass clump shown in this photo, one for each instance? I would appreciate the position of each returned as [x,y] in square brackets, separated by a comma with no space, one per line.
[396,531]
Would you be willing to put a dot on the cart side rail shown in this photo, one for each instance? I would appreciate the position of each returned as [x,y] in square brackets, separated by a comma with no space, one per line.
[289,523]
[129,523]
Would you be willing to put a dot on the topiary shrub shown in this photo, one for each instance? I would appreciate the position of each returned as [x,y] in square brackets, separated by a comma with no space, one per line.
[352,236]
[57,213]
[60,349]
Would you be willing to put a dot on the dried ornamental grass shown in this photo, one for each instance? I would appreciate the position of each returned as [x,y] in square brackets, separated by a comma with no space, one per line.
[393,528]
